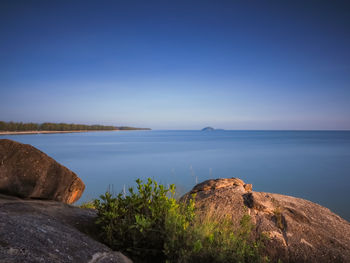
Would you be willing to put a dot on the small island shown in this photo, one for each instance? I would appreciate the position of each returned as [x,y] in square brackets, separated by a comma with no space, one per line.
[211,129]
[208,129]
[48,127]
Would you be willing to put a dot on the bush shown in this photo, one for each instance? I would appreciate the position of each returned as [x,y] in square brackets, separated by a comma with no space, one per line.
[150,225]
[88,205]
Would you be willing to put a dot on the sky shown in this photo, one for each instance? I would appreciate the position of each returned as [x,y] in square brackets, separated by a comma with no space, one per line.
[260,65]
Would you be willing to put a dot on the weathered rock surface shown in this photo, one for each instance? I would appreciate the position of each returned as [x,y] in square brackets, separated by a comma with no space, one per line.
[49,231]
[299,230]
[29,173]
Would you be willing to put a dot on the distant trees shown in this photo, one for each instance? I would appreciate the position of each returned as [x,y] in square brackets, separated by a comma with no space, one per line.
[48,126]
[126,128]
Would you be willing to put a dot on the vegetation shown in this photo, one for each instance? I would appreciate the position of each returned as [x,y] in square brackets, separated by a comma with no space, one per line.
[88,205]
[279,218]
[150,225]
[127,128]
[48,126]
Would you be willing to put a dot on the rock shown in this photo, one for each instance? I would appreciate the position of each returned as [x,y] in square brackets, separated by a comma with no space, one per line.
[248,187]
[218,183]
[298,230]
[29,173]
[49,231]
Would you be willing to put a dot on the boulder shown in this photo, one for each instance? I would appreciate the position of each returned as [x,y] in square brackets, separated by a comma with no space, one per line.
[298,230]
[34,231]
[29,173]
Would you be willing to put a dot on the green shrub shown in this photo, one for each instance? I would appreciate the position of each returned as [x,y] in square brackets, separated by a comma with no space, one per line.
[150,225]
[88,205]
[139,223]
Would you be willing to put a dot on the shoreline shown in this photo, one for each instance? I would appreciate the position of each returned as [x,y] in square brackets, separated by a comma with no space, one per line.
[49,132]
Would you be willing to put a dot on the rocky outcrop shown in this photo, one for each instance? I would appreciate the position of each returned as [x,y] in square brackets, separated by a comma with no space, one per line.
[298,230]
[29,173]
[34,231]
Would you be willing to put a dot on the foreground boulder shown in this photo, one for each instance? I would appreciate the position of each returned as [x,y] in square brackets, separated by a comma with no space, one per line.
[48,231]
[298,230]
[29,173]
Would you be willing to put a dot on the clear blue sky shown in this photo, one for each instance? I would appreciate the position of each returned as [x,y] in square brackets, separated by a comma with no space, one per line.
[177,64]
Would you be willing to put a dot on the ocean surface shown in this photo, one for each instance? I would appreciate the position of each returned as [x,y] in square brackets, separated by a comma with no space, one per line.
[314,165]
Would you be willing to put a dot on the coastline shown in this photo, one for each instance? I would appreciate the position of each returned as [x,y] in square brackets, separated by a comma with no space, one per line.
[48,132]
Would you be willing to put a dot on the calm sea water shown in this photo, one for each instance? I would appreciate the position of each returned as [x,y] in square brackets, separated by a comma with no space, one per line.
[314,165]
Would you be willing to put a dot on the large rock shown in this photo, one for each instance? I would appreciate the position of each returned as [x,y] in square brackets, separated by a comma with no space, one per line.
[298,230]
[34,231]
[29,173]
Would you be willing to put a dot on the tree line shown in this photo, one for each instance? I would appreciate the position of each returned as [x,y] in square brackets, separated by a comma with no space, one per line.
[127,128]
[49,126]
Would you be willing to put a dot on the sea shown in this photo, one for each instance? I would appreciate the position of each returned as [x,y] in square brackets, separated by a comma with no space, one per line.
[314,165]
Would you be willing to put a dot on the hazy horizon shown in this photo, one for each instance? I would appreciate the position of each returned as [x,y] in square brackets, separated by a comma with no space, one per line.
[235,65]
